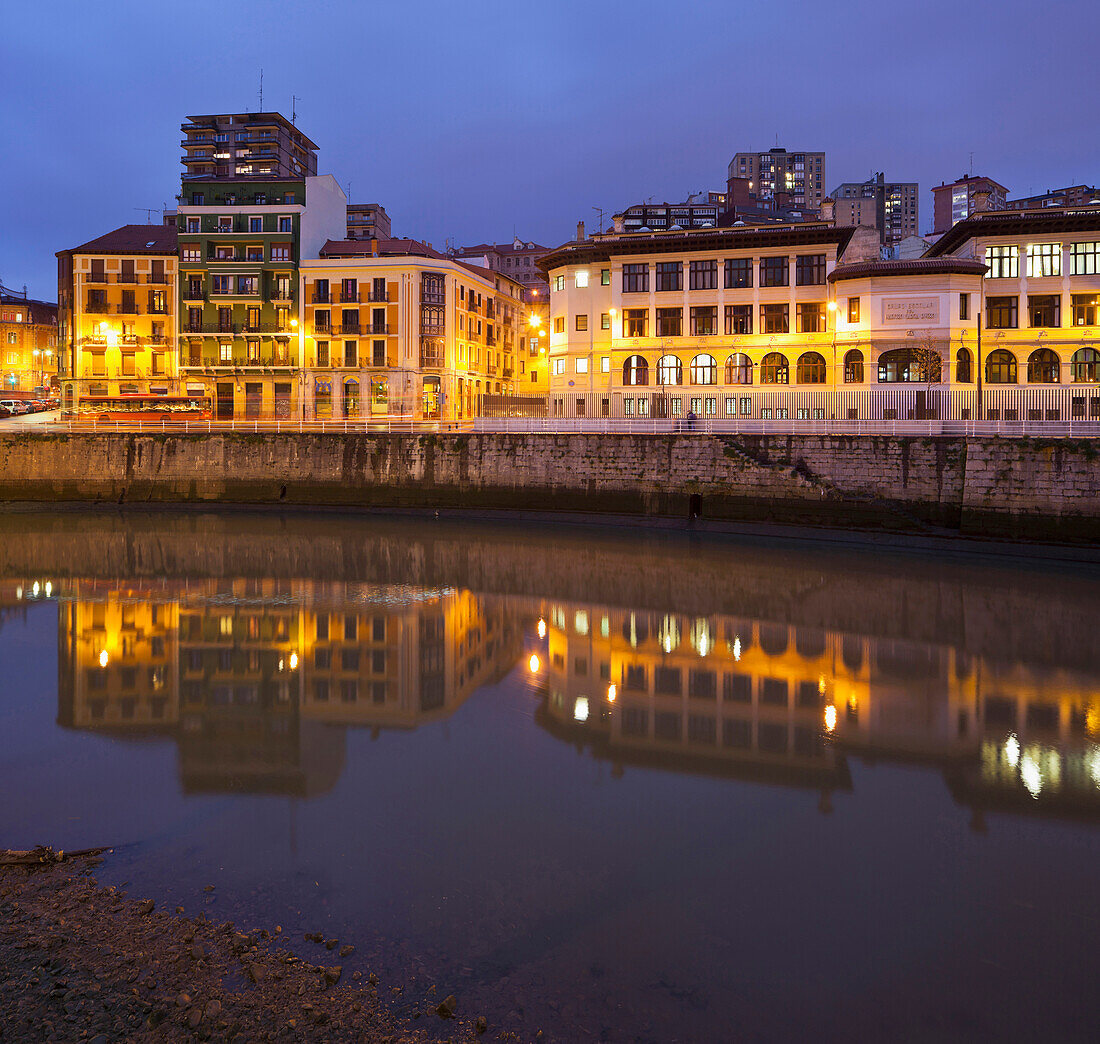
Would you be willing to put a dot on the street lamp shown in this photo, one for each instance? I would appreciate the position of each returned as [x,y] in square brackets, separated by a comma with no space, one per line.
[832,312]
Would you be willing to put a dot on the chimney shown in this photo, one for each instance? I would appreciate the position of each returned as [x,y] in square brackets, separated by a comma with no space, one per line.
[373,247]
[981,200]
[617,222]
[580,231]
[828,211]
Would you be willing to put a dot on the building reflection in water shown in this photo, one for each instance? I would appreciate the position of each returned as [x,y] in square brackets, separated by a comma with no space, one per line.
[257,681]
[759,699]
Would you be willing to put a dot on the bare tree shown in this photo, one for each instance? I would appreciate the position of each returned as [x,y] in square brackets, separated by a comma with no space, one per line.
[926,366]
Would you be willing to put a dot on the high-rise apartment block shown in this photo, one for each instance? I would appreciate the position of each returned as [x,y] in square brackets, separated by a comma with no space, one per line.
[890,206]
[779,179]
[244,145]
[368,221]
[963,198]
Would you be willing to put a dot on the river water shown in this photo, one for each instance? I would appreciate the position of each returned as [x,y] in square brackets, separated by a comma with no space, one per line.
[610,784]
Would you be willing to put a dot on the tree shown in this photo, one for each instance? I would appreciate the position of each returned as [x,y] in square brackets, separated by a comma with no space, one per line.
[926,366]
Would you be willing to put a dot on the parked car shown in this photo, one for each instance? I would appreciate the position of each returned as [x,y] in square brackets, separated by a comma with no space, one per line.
[4,411]
[12,407]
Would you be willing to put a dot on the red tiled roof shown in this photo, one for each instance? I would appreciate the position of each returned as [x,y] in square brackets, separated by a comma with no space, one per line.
[913,266]
[383,247]
[131,239]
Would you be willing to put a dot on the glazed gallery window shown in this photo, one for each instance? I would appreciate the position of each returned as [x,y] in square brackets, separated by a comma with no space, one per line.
[1044,259]
[809,270]
[738,272]
[670,322]
[1084,259]
[1003,262]
[738,319]
[635,279]
[704,370]
[704,321]
[774,271]
[810,318]
[670,276]
[774,369]
[775,318]
[853,367]
[1000,313]
[1044,310]
[635,322]
[703,275]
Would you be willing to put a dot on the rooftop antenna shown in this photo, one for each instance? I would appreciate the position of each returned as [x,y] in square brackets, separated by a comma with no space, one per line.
[293,108]
[148,212]
[599,210]
[972,164]
[261,88]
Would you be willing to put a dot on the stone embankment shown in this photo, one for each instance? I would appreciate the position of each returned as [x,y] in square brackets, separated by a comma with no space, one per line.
[1033,488]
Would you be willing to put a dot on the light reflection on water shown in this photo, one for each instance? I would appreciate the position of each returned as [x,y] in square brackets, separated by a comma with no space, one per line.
[601,784]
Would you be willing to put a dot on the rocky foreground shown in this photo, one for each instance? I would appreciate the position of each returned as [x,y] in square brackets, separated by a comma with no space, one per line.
[83,963]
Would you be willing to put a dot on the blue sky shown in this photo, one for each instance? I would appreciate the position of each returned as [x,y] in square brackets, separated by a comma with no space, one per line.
[473,121]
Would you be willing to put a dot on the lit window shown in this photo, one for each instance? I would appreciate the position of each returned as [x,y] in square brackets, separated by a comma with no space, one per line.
[580,278]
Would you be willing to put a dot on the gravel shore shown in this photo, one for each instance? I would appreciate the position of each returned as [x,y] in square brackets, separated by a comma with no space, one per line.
[83,963]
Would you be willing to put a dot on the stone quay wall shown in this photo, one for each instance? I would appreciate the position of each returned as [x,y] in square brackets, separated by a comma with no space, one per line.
[1030,488]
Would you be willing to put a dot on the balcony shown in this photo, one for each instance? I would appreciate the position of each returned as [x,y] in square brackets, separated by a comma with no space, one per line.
[375,296]
[322,328]
[193,295]
[226,329]
[339,297]
[98,307]
[319,298]
[432,329]
[281,295]
[127,309]
[491,369]
[427,297]
[161,280]
[96,277]
[350,328]
[507,371]
[223,257]
[123,277]
[490,340]
[431,356]
[378,328]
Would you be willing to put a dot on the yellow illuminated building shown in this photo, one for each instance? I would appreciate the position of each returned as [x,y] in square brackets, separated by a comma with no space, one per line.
[28,344]
[117,315]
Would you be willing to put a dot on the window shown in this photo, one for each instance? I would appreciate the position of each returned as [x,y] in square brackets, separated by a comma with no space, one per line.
[810,318]
[559,282]
[581,322]
[775,318]
[255,224]
[738,319]
[226,352]
[704,321]
[605,320]
[636,322]
[635,279]
[964,306]
[670,322]
[221,284]
[1000,367]
[704,370]
[703,275]
[809,270]
[1044,259]
[853,309]
[1043,367]
[774,271]
[248,285]
[774,369]
[581,366]
[559,367]
[738,272]
[580,278]
[635,371]
[1086,366]
[853,366]
[963,371]
[1084,259]
[559,324]
[1003,262]
[280,251]
[322,353]
[811,368]
[605,275]
[1084,309]
[286,224]
[190,253]
[670,370]
[738,369]
[670,276]
[1000,313]
[351,352]
[1044,310]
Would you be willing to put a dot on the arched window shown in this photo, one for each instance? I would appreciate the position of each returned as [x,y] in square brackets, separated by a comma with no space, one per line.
[635,371]
[1000,367]
[963,371]
[1086,366]
[896,367]
[853,367]
[1043,367]
[774,369]
[811,368]
[351,397]
[704,370]
[670,370]
[739,369]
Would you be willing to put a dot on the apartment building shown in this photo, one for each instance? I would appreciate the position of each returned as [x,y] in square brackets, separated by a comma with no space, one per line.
[777,179]
[28,343]
[368,221]
[117,315]
[892,207]
[961,199]
[660,217]
[232,146]
[394,328]
[1070,196]
[517,260]
[242,231]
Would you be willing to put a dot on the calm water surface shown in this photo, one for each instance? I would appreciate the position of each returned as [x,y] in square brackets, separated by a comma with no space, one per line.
[614,786]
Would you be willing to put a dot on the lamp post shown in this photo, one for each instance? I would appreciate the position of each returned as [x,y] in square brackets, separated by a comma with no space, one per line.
[831,306]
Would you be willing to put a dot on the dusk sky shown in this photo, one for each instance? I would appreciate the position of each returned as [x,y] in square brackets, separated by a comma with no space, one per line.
[472,122]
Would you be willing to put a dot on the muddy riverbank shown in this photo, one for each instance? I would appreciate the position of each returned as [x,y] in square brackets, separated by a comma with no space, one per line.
[81,962]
